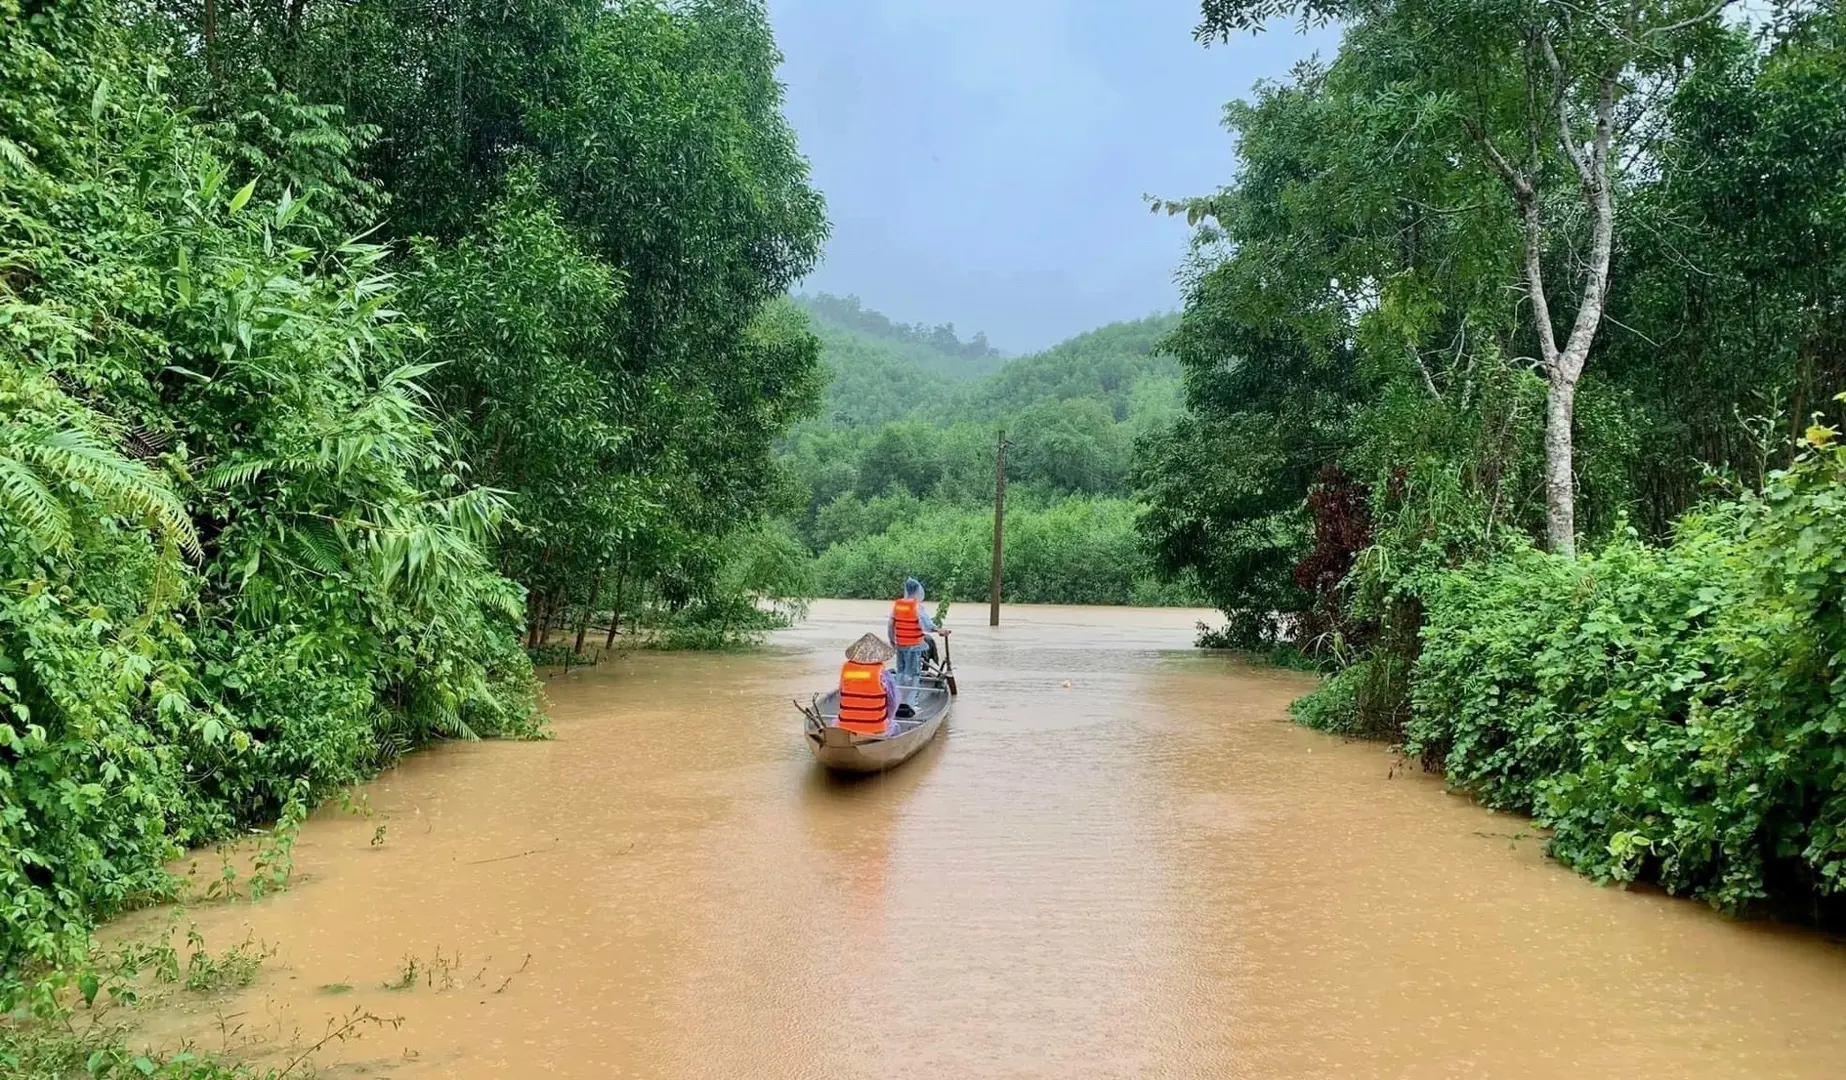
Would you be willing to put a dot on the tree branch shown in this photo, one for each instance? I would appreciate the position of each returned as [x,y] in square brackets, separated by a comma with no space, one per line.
[1685,24]
[1531,214]
[1428,382]
[1560,105]
[1512,176]
[1535,283]
[1601,199]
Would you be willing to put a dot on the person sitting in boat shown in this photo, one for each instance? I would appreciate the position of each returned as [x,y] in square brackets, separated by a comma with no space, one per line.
[908,630]
[868,694]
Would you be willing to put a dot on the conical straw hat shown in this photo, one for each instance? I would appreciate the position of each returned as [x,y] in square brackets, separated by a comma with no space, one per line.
[870,649]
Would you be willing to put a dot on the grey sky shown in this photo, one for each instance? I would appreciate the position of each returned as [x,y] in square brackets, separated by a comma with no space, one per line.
[984,160]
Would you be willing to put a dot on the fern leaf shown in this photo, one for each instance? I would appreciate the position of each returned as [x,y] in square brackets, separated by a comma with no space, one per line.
[127,488]
[235,473]
[321,547]
[11,153]
[26,500]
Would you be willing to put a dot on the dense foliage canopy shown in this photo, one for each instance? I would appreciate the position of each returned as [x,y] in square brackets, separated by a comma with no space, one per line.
[276,503]
[1364,464]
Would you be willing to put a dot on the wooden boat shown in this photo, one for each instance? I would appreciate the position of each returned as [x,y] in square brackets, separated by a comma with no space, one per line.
[846,751]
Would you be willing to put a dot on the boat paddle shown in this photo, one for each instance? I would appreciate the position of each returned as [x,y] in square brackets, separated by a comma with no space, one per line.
[948,666]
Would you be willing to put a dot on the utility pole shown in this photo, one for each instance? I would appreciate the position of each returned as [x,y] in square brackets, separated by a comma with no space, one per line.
[993,596]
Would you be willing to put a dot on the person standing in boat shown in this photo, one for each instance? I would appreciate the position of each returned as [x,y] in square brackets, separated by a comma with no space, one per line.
[908,630]
[868,694]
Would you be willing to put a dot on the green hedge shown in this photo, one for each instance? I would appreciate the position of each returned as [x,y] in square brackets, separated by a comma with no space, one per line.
[1075,551]
[1673,713]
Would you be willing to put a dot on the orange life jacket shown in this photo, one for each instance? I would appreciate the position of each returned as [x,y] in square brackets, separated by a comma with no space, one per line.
[909,629]
[863,703]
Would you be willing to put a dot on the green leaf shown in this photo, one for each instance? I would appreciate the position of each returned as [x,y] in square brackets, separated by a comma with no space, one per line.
[243,196]
[145,1065]
[290,207]
[88,985]
[97,100]
[14,156]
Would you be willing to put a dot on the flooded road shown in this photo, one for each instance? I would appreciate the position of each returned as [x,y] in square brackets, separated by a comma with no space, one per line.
[1147,873]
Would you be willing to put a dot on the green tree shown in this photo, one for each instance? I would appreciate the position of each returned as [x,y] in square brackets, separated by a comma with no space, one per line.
[324,601]
[1537,95]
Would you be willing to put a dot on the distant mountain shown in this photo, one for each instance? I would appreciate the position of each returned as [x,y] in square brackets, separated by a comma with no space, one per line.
[885,371]
[899,470]
[933,348]
[1115,365]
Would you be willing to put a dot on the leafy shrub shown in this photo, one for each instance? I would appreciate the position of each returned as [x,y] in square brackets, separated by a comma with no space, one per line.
[1361,699]
[236,560]
[1070,551]
[1333,706]
[1672,713]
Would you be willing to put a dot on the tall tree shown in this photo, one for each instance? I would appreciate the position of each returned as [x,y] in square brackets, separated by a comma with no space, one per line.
[1543,94]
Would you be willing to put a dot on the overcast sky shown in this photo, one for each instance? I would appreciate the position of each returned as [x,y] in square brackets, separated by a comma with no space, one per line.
[984,161]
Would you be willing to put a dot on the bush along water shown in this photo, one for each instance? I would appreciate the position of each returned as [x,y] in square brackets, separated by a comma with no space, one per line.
[1672,713]
[276,504]
[1070,550]
[235,556]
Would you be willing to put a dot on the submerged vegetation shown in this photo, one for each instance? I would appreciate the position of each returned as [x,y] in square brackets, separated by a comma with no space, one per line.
[1496,282]
[339,349]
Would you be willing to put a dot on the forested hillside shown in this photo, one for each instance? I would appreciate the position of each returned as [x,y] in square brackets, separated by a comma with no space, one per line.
[339,343]
[900,471]
[1513,351]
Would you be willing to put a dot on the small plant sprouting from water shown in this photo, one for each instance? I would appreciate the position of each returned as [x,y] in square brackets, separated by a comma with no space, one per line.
[406,973]
[378,836]
[235,1039]
[275,860]
[353,1027]
[236,966]
[359,806]
[509,979]
[225,887]
[442,973]
[128,961]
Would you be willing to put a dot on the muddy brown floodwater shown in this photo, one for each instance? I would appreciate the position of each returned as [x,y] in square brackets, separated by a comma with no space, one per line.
[1144,873]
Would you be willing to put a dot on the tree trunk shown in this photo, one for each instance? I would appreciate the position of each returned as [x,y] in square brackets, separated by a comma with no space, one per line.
[615,609]
[210,43]
[583,619]
[535,634]
[535,603]
[1560,476]
[993,592]
[1563,366]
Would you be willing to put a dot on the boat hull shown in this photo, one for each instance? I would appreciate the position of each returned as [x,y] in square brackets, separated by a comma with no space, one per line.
[849,752]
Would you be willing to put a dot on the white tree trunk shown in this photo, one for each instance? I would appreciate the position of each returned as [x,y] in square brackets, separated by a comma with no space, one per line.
[1563,366]
[1560,474]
